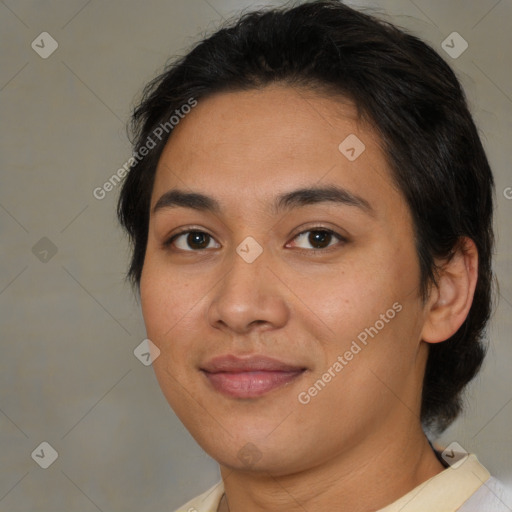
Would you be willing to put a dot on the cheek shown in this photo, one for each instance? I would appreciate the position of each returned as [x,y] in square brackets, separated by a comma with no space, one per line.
[173,312]
[373,301]
[166,299]
[350,300]
[165,315]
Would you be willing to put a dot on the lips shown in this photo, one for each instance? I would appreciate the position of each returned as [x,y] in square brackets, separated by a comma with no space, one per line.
[249,377]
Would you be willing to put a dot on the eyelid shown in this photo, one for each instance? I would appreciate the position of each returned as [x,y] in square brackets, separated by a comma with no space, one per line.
[305,228]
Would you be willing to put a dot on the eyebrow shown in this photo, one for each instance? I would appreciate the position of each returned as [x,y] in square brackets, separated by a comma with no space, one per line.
[176,198]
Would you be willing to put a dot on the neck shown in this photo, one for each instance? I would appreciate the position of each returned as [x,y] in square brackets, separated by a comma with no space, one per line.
[363,479]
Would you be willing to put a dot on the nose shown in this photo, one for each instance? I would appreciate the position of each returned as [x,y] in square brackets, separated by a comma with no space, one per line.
[250,297]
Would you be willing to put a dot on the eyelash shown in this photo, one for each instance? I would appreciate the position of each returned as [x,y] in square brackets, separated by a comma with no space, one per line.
[319,229]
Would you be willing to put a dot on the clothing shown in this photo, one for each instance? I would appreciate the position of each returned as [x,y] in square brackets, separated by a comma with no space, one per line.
[466,488]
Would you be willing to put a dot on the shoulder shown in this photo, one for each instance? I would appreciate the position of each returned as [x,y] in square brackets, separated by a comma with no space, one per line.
[491,496]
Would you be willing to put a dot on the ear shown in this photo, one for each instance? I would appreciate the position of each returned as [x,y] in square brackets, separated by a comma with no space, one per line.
[449,302]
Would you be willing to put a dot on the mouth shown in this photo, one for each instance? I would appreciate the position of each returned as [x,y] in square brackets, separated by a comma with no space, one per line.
[249,377]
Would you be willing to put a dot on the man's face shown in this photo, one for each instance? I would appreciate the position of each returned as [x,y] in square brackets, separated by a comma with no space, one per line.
[325,286]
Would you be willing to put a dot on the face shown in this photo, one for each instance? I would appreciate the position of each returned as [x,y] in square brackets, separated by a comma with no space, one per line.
[285,304]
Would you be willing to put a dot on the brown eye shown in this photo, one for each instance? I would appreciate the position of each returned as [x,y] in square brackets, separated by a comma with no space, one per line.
[191,241]
[317,239]
[197,240]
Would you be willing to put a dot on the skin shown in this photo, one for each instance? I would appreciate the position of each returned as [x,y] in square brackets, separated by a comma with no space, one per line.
[358,443]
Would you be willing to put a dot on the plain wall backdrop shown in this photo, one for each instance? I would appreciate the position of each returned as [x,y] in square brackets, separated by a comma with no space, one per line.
[70,324]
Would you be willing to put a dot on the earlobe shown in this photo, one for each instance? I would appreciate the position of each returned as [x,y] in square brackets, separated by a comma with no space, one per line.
[450,301]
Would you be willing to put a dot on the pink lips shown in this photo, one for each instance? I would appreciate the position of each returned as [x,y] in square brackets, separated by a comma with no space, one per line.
[249,377]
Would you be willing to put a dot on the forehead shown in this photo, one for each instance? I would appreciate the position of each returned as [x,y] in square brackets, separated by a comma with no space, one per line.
[247,145]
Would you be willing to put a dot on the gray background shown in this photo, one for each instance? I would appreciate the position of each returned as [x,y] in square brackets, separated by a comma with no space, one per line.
[68,375]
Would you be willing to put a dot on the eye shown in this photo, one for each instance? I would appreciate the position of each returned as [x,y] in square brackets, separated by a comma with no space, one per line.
[195,240]
[191,241]
[318,238]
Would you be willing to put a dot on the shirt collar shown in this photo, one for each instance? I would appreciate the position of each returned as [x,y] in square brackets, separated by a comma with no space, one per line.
[444,492]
